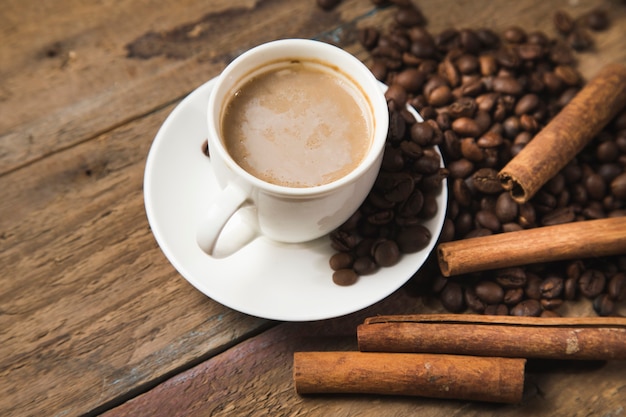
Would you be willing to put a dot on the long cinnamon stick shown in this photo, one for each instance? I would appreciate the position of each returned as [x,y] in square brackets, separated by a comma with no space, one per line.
[425,375]
[566,134]
[584,239]
[593,338]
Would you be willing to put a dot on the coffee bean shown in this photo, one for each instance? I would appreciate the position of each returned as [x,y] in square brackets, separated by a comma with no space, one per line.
[488,220]
[466,126]
[558,216]
[486,181]
[341,260]
[616,288]
[549,313]
[533,286]
[580,39]
[618,186]
[496,310]
[473,302]
[345,277]
[591,283]
[597,19]
[452,297]
[513,296]
[386,252]
[529,308]
[527,104]
[489,292]
[364,265]
[507,85]
[551,287]
[410,79]
[368,37]
[506,209]
[603,305]
[413,239]
[563,22]
[514,277]
[551,303]
[410,16]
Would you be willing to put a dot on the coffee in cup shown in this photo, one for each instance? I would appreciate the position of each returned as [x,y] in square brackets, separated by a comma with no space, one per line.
[297,123]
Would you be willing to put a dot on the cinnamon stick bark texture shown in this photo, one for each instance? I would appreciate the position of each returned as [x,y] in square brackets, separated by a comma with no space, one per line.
[566,134]
[435,376]
[584,239]
[594,338]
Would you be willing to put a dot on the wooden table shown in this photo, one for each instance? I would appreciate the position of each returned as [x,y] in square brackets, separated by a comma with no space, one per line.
[93,317]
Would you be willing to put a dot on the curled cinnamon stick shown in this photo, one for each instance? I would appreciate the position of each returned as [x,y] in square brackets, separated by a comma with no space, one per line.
[425,375]
[584,239]
[566,134]
[592,338]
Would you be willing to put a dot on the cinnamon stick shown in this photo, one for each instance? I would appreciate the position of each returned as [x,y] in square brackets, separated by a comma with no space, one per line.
[566,134]
[594,338]
[425,375]
[584,239]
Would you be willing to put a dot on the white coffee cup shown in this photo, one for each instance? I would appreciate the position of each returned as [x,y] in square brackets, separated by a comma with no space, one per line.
[281,213]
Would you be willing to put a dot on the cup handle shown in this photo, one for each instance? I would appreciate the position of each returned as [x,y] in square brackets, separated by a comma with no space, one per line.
[218,215]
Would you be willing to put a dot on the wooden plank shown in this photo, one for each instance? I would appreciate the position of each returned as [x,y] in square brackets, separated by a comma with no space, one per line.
[90,309]
[68,74]
[255,378]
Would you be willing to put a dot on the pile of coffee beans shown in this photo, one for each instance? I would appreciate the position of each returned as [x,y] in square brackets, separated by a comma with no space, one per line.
[483,96]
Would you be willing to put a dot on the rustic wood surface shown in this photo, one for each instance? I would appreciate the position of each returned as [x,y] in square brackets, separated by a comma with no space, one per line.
[93,318]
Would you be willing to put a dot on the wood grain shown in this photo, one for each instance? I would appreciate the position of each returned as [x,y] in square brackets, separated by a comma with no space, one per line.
[91,312]
[255,378]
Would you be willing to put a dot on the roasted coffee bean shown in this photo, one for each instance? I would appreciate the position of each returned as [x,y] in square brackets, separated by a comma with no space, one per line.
[341,260]
[489,292]
[558,216]
[591,283]
[430,207]
[597,19]
[452,297]
[486,181]
[386,252]
[368,37]
[514,34]
[466,127]
[563,22]
[410,79]
[506,84]
[527,104]
[570,288]
[595,186]
[513,296]
[551,287]
[496,310]
[549,313]
[506,209]
[488,220]
[345,277]
[470,150]
[422,133]
[413,239]
[616,288]
[364,265]
[618,186]
[490,139]
[514,277]
[473,302]
[603,305]
[533,286]
[527,215]
[397,94]
[461,168]
[410,16]
[528,308]
[551,303]
[343,241]
[580,39]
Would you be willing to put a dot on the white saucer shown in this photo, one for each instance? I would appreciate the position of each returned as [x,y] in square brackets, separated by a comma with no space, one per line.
[289,282]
